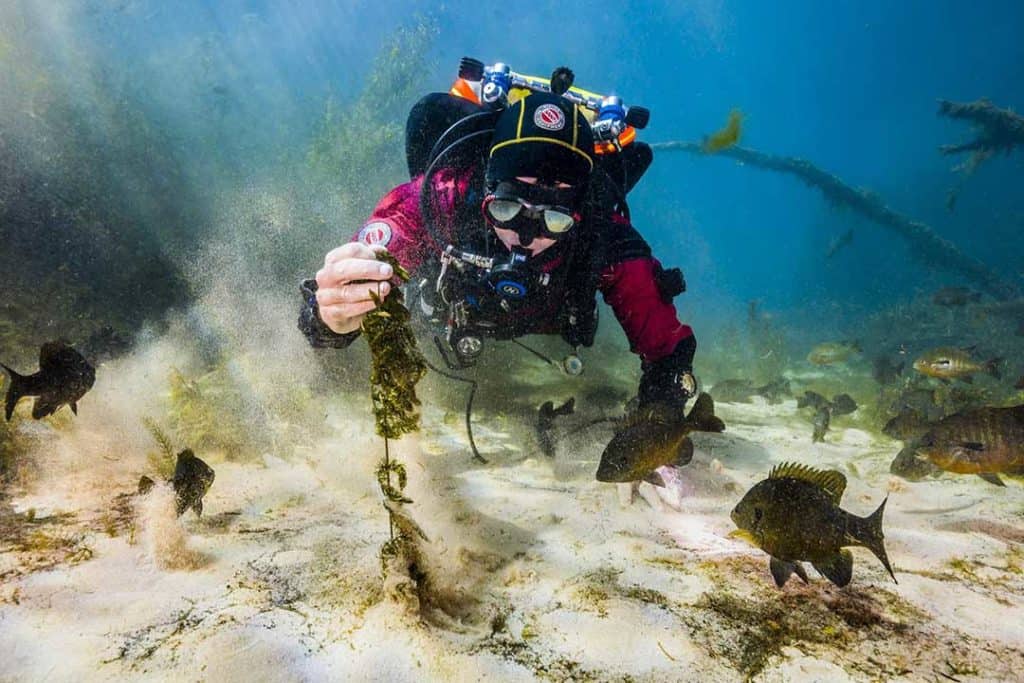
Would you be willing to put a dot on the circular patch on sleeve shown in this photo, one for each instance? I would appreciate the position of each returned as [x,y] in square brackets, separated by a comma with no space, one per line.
[377,232]
[549,117]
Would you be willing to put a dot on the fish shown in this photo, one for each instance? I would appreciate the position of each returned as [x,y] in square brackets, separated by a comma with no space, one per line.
[948,363]
[909,424]
[727,136]
[63,378]
[843,404]
[822,417]
[811,399]
[924,401]
[546,421]
[192,479]
[909,466]
[983,441]
[794,516]
[955,296]
[742,390]
[145,485]
[655,436]
[884,371]
[829,353]
[838,242]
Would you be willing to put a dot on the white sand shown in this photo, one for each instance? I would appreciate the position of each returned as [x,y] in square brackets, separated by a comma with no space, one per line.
[281,579]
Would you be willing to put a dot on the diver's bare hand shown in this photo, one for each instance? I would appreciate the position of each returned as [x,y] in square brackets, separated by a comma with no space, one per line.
[343,300]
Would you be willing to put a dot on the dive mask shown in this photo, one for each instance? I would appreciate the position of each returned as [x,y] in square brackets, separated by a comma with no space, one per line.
[530,210]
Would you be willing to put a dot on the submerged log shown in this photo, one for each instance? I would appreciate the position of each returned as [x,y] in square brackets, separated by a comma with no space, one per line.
[995,130]
[930,247]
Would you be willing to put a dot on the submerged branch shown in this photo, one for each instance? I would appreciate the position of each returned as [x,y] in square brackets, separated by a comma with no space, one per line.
[927,244]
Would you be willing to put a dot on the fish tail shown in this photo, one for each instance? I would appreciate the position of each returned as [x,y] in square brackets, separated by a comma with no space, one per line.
[868,532]
[15,391]
[992,367]
[702,417]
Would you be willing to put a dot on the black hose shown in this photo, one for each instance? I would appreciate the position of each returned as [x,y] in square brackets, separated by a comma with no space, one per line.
[469,402]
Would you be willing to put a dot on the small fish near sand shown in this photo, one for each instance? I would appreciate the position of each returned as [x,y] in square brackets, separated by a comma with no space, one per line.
[948,363]
[884,371]
[811,399]
[192,479]
[983,441]
[743,390]
[831,353]
[843,404]
[63,378]
[794,516]
[546,421]
[821,420]
[653,437]
[955,297]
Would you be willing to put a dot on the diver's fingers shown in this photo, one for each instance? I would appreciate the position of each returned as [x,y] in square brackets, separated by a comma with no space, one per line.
[625,492]
[347,270]
[649,494]
[353,250]
[351,294]
[343,318]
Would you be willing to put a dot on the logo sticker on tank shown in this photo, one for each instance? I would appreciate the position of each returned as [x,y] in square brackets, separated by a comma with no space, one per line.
[549,117]
[377,232]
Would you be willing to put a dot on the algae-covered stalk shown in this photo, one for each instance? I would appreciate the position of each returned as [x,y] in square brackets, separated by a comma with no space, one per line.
[397,365]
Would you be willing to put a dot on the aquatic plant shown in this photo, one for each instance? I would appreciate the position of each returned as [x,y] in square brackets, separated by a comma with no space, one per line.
[162,460]
[396,367]
[727,136]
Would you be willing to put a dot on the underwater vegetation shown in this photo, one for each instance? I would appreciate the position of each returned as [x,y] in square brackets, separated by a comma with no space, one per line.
[995,130]
[727,136]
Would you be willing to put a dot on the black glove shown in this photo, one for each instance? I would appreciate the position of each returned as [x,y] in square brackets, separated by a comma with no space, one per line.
[316,330]
[670,379]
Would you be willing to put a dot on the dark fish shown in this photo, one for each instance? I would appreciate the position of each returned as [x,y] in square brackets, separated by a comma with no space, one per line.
[908,425]
[742,390]
[983,441]
[64,377]
[654,437]
[948,363]
[811,399]
[546,421]
[921,400]
[885,371]
[192,479]
[794,516]
[906,464]
[838,242]
[843,404]
[955,296]
[822,417]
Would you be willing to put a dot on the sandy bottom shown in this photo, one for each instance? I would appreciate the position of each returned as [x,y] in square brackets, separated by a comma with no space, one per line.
[534,571]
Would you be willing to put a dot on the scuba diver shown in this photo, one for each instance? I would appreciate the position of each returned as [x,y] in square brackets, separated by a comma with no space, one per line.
[512,222]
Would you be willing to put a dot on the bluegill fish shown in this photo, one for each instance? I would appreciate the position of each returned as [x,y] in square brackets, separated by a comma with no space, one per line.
[64,377]
[983,441]
[794,516]
[948,363]
[192,479]
[653,437]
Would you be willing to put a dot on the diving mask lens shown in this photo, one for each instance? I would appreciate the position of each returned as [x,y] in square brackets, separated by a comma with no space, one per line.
[503,210]
[557,221]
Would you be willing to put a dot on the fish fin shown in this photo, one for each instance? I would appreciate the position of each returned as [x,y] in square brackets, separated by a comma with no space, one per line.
[655,478]
[702,417]
[145,485]
[867,531]
[74,407]
[992,478]
[801,572]
[838,569]
[993,367]
[566,408]
[43,407]
[685,454]
[15,391]
[198,507]
[832,481]
[781,571]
